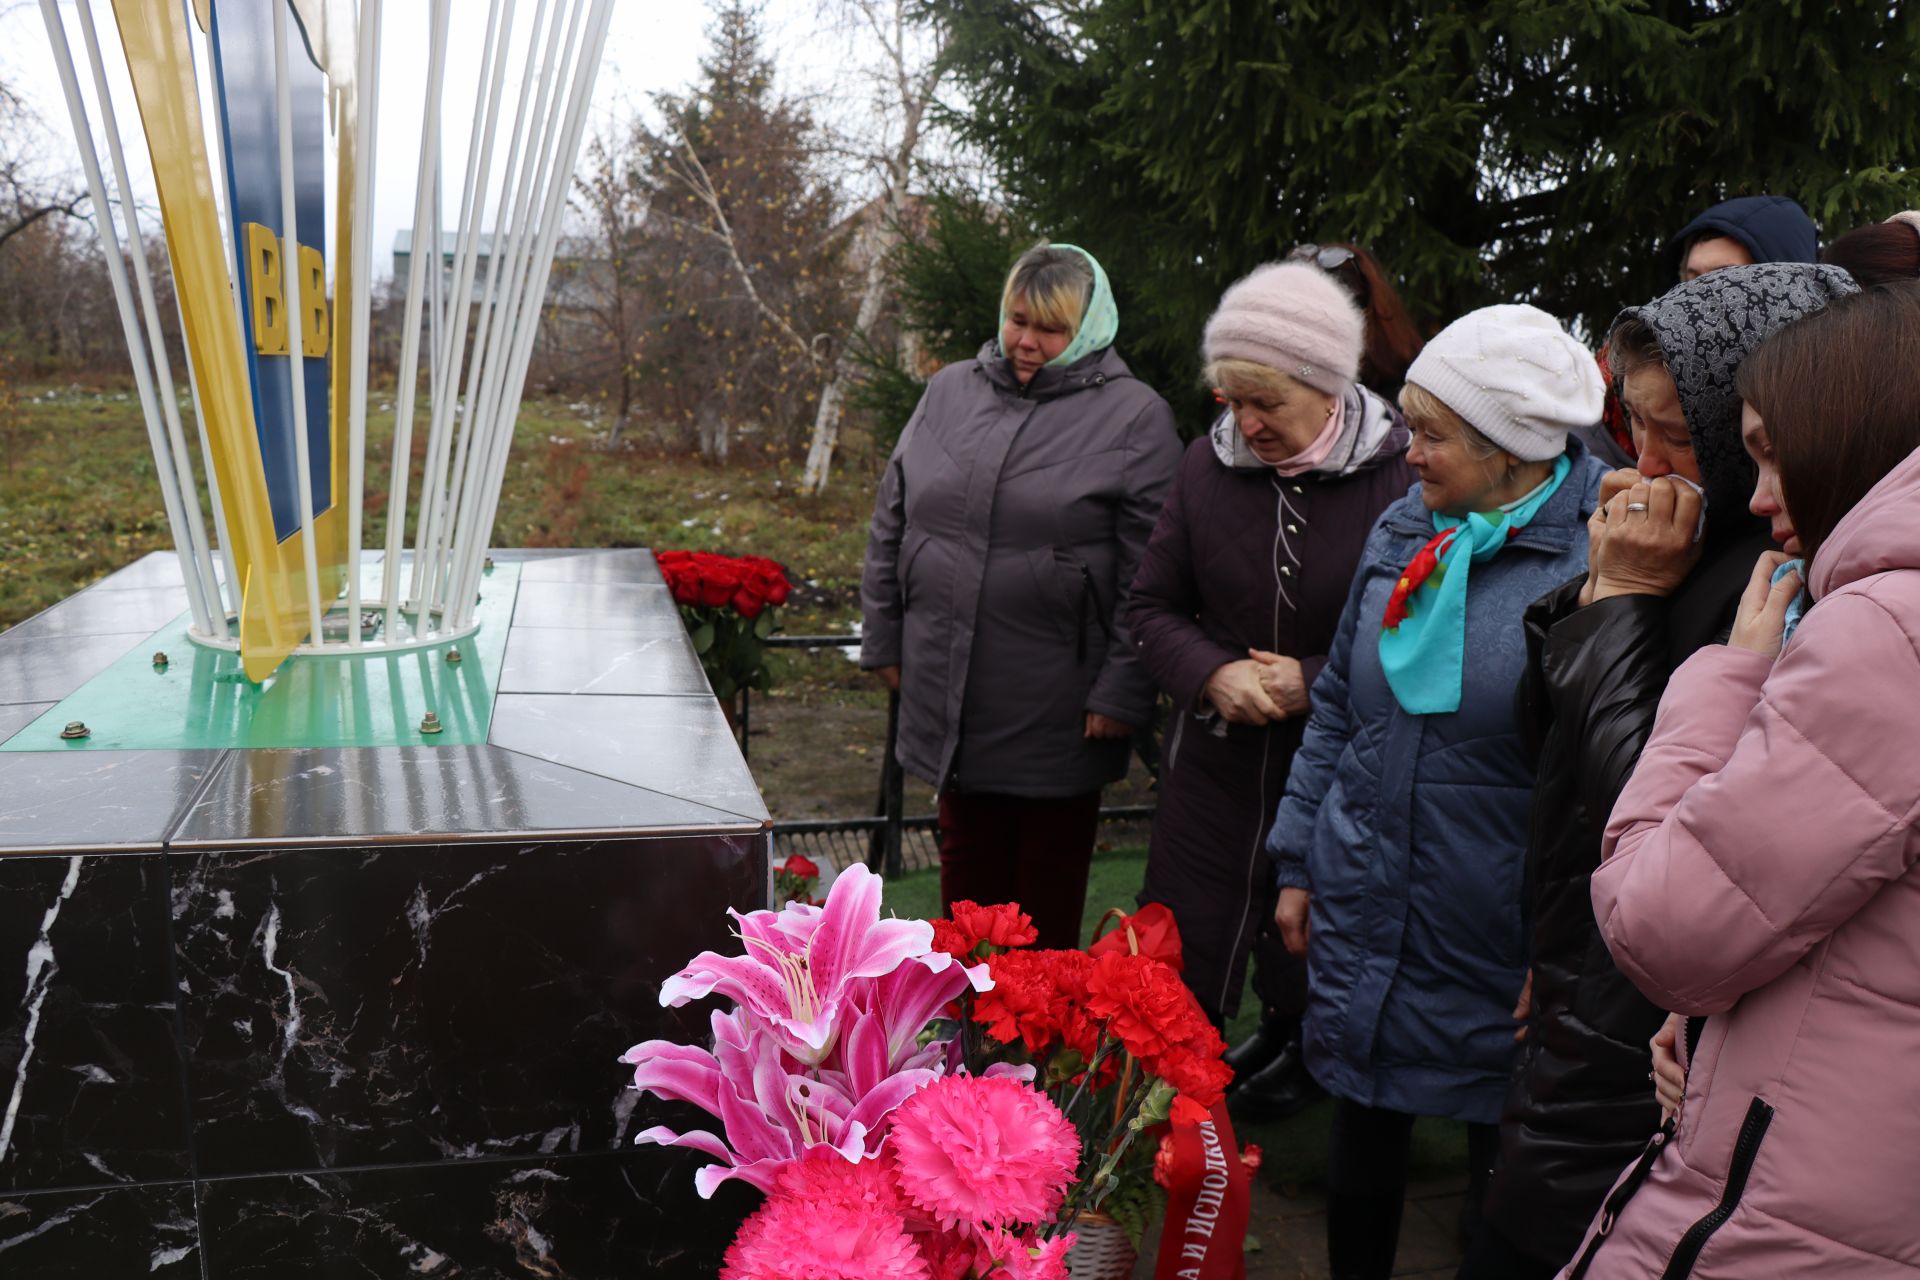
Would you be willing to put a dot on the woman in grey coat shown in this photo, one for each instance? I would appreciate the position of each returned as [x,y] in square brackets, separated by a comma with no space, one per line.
[1007,528]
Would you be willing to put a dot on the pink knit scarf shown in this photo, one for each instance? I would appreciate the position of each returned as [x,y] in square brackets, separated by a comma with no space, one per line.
[1316,453]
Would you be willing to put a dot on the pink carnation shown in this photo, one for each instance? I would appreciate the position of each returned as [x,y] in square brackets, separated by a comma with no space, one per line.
[992,1151]
[1026,1257]
[828,1218]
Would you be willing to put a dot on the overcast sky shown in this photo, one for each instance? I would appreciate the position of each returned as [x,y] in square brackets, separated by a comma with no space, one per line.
[653,45]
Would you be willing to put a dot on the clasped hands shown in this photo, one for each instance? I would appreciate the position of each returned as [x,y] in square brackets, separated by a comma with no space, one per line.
[1258,689]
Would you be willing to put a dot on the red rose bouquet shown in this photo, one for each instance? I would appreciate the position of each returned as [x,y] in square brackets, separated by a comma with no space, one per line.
[728,604]
[795,880]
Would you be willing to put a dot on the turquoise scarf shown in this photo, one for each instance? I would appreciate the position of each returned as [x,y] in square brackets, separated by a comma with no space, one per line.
[1098,327]
[1797,607]
[1423,637]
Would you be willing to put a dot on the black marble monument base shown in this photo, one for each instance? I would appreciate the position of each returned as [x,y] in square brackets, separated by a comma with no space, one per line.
[356,1012]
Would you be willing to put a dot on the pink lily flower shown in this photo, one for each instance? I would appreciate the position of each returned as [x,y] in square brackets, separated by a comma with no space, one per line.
[773,1110]
[802,964]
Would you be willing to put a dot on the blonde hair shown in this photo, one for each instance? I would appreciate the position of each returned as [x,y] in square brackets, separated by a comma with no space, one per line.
[1240,378]
[1055,284]
[1422,406]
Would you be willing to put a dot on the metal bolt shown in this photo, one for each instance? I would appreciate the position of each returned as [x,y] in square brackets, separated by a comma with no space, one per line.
[488,564]
[453,657]
[430,723]
[75,729]
[160,660]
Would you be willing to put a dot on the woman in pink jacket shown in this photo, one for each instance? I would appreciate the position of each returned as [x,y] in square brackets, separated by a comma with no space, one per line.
[1760,866]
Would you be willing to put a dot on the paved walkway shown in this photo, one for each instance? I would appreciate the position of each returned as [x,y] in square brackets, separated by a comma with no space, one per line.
[1291,1230]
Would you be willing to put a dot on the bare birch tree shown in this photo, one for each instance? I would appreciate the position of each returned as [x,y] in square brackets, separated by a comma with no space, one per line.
[908,76]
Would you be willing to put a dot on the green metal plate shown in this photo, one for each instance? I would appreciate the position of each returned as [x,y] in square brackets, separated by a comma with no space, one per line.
[201,698]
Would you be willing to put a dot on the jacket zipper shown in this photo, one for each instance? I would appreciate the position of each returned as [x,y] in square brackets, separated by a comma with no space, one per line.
[1745,1148]
[1629,1186]
[1088,610]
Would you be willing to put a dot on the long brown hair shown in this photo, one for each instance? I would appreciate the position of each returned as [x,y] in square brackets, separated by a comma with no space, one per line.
[1839,392]
[1392,341]
[1878,253]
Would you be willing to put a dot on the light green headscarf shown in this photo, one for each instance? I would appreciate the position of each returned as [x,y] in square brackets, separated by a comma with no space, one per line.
[1098,327]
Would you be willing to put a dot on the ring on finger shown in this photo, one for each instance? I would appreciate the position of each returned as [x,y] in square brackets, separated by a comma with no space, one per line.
[1636,506]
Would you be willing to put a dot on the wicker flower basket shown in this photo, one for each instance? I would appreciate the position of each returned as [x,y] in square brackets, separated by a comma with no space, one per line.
[1102,1251]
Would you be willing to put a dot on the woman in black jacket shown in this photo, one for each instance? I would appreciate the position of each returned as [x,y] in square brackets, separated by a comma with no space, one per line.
[1662,583]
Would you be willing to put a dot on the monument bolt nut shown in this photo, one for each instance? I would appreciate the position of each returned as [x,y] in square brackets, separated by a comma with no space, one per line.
[75,729]
[453,657]
[430,723]
[487,565]
[160,659]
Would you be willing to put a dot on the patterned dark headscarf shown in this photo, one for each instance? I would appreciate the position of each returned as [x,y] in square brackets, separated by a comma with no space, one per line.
[1705,328]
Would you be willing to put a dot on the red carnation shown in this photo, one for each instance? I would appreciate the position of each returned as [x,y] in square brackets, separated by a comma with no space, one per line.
[1002,925]
[1154,933]
[951,941]
[1141,1000]
[1039,998]
[1196,1074]
[802,866]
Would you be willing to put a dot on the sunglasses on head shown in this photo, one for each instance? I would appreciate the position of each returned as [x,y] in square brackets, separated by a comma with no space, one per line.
[1327,258]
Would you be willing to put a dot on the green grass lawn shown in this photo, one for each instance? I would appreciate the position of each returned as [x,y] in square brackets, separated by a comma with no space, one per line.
[79,498]
[1296,1149]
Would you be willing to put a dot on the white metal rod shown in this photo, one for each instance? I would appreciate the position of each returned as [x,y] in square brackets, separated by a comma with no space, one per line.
[497,434]
[410,330]
[476,526]
[460,502]
[182,458]
[296,320]
[234,585]
[129,324]
[586,70]
[366,117]
[426,553]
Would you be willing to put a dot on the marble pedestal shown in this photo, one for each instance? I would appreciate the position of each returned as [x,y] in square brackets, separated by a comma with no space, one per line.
[355,1012]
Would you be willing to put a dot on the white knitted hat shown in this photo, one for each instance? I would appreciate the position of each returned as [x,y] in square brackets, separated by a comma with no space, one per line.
[1516,376]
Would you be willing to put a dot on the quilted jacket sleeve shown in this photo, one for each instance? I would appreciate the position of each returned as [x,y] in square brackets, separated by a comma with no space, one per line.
[1599,672]
[1328,729]
[1771,803]
[881,601]
[1162,609]
[1123,690]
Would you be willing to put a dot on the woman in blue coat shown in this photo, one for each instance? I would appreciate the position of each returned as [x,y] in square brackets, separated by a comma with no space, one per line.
[1401,840]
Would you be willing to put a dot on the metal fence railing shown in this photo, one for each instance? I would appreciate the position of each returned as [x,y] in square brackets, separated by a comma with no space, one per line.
[889,840]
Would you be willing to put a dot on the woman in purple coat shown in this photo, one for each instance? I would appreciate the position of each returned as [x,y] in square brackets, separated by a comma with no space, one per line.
[1232,612]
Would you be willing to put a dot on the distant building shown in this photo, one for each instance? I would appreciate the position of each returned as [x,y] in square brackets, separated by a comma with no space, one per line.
[569,287]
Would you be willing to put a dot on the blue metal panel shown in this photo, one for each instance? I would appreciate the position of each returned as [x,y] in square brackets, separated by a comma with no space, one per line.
[243,60]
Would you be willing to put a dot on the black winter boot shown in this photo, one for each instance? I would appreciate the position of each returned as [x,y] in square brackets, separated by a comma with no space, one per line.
[1266,1043]
[1280,1089]
[1363,1234]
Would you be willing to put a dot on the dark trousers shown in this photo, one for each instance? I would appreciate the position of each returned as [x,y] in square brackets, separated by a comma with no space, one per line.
[1033,851]
[1279,976]
[1491,1256]
[1367,1185]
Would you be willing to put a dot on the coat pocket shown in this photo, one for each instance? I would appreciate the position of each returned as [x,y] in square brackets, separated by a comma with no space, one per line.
[1066,589]
[910,548]
[1746,1148]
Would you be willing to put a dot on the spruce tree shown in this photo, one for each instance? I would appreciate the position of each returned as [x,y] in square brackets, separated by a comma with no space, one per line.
[1519,150]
